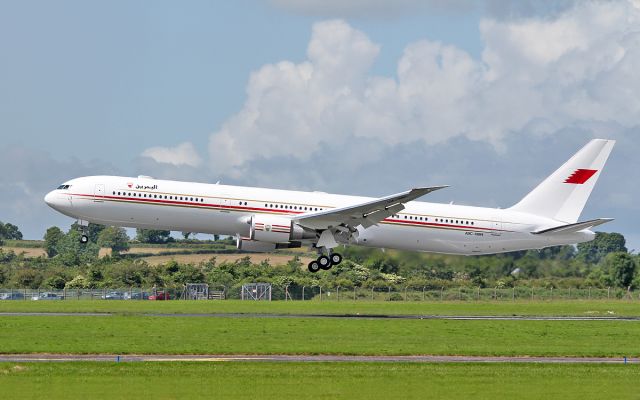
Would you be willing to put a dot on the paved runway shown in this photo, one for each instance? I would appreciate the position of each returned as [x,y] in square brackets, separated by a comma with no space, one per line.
[342,316]
[306,358]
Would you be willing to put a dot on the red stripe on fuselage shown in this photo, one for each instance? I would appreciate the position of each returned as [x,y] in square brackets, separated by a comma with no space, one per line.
[288,212]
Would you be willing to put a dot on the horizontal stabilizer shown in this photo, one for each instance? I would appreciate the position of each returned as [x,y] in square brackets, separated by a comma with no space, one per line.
[572,228]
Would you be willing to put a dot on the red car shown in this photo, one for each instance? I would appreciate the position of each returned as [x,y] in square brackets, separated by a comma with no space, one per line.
[160,296]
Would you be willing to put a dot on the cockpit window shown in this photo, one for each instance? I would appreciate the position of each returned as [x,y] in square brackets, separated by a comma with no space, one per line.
[64,186]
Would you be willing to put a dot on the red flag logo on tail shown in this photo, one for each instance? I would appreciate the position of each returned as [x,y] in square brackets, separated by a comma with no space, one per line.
[580,176]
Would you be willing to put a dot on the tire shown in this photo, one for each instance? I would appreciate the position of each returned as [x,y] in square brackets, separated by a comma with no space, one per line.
[313,267]
[324,262]
[84,239]
[336,258]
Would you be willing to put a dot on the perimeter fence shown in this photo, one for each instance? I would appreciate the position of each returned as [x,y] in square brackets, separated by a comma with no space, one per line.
[334,293]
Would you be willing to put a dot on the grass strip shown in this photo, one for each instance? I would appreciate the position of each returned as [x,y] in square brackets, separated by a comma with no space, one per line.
[237,335]
[316,380]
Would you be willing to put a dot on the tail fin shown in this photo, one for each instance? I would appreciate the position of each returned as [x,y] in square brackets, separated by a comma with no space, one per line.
[562,195]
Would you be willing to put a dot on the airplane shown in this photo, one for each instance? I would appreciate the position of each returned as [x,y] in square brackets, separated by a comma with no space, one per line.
[263,220]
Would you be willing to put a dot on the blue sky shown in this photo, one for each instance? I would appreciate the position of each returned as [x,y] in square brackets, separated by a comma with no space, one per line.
[489,97]
[112,77]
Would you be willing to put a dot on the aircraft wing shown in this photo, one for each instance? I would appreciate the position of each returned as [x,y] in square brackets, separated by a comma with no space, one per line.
[366,214]
[572,228]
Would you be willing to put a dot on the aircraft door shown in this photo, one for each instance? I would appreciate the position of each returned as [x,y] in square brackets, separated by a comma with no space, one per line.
[98,193]
[496,225]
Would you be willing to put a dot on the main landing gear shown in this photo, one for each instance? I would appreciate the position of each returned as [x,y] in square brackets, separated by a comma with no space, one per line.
[325,262]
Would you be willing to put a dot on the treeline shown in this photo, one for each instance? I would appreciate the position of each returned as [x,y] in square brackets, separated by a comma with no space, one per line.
[604,262]
[9,231]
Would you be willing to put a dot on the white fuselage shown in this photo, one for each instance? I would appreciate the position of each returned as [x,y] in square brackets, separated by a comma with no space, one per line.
[221,209]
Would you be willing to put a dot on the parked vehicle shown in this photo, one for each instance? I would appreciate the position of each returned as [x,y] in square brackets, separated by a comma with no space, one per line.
[12,296]
[113,296]
[136,296]
[47,296]
[160,296]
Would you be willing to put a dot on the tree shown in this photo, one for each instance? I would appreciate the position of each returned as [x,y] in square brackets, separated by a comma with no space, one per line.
[79,282]
[621,268]
[114,238]
[603,244]
[10,231]
[73,253]
[153,236]
[52,238]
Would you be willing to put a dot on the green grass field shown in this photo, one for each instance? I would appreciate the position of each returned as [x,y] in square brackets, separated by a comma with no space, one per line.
[135,334]
[130,331]
[317,380]
[362,307]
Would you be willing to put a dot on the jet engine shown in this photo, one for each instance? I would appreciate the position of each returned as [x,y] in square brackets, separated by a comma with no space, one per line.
[277,229]
[245,244]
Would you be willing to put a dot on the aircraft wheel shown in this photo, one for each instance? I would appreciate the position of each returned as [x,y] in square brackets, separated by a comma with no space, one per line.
[313,267]
[324,262]
[84,239]
[336,259]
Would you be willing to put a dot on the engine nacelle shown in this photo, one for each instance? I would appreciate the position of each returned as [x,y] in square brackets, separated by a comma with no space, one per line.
[276,229]
[254,245]
[245,244]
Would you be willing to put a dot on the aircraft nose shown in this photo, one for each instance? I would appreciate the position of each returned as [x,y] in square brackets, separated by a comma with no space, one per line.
[56,200]
[50,199]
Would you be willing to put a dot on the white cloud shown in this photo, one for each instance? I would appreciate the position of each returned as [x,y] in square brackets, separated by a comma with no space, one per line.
[183,154]
[538,75]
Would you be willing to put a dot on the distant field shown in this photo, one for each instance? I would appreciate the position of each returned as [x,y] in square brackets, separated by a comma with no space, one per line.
[317,380]
[136,334]
[28,251]
[360,307]
[161,254]
[274,259]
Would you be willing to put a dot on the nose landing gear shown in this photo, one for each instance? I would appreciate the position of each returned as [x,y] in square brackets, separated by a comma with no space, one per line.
[324,262]
[83,227]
